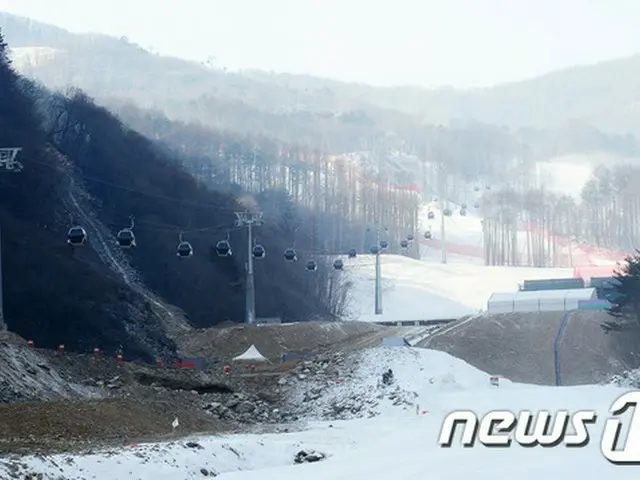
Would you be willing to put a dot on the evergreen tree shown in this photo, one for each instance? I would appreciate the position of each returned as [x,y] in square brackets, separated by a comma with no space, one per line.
[3,47]
[625,295]
[5,62]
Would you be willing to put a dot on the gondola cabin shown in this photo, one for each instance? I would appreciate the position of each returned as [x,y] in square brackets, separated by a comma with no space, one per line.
[126,238]
[77,236]
[259,251]
[185,250]
[223,248]
[290,255]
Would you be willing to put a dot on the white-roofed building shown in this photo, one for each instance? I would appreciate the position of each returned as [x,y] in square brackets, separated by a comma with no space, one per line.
[539,301]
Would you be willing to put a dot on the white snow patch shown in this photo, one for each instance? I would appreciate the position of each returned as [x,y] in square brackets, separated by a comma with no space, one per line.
[427,289]
[25,57]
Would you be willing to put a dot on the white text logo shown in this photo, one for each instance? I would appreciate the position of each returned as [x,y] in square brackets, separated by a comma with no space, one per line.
[500,428]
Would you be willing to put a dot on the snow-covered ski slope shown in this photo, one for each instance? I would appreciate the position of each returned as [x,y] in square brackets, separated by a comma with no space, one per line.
[396,444]
[426,289]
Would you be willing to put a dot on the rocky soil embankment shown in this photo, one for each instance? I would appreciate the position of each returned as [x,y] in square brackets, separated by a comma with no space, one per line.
[51,401]
[342,386]
[27,375]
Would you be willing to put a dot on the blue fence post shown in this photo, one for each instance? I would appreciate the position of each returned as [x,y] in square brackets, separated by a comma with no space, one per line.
[597,304]
[556,346]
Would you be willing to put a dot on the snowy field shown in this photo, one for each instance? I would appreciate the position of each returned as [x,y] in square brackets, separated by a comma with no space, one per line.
[398,443]
[427,289]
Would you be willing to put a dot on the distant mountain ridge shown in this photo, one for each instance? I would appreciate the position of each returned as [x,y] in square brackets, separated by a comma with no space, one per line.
[605,95]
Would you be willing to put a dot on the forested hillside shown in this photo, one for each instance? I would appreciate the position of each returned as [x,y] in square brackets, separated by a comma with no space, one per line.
[51,295]
[607,214]
[83,166]
[337,198]
[335,147]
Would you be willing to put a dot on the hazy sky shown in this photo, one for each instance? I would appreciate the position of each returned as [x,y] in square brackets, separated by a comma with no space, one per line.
[386,42]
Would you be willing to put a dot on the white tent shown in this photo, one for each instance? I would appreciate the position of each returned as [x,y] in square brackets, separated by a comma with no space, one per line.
[252,354]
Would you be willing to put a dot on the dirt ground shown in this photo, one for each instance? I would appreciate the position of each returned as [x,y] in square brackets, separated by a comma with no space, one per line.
[82,424]
[127,411]
[273,341]
[52,402]
[520,346]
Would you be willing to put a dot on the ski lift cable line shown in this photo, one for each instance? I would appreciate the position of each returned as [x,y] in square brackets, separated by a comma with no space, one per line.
[155,226]
[169,228]
[133,190]
[163,226]
[173,199]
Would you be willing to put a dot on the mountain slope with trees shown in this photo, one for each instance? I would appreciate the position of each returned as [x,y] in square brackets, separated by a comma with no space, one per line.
[50,295]
[83,166]
[279,129]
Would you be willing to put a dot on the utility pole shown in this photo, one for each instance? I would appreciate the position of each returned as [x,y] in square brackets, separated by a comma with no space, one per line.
[249,220]
[378,208]
[443,235]
[376,250]
[442,194]
[9,163]
[378,290]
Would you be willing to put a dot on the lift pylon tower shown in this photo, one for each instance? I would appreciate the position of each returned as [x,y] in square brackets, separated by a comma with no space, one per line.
[249,219]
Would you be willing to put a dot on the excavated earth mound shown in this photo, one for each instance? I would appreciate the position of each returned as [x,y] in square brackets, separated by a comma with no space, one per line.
[520,346]
[273,341]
